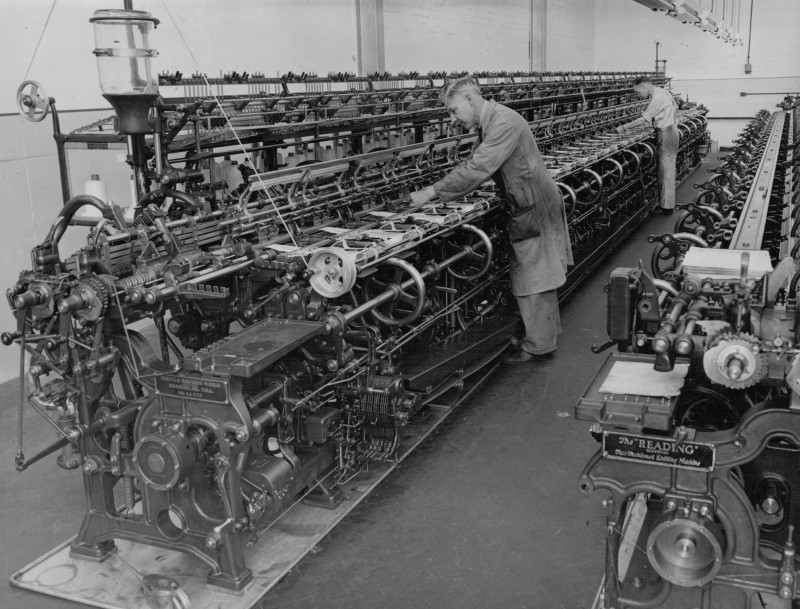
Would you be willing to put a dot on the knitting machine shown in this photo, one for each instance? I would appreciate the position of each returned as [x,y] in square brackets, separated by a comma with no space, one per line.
[698,412]
[233,344]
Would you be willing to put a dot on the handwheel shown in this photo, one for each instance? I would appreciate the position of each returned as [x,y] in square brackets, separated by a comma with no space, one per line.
[690,221]
[32,101]
[637,162]
[670,251]
[570,198]
[665,260]
[591,186]
[408,301]
[484,258]
[648,156]
[616,173]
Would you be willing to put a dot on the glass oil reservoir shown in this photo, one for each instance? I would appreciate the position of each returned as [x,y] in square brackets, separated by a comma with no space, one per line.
[126,65]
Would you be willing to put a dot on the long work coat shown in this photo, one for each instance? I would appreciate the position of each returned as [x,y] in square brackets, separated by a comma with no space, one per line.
[537,221]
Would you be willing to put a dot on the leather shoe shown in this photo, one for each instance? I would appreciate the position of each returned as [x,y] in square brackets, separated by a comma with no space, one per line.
[661,211]
[520,356]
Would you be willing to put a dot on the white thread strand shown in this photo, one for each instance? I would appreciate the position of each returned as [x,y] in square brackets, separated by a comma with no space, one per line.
[28,177]
[232,128]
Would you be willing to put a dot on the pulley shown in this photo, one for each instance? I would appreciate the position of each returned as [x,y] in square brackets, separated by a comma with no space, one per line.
[32,101]
[685,548]
[334,272]
[164,460]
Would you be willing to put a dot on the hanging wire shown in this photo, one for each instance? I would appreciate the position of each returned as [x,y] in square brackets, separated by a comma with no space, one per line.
[750,31]
[38,42]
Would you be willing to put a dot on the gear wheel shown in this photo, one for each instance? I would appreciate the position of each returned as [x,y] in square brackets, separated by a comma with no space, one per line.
[94,294]
[734,360]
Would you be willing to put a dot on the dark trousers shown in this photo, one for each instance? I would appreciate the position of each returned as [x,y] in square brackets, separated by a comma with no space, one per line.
[667,156]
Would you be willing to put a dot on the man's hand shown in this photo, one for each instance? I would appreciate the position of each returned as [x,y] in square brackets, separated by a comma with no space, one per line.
[423,196]
[621,129]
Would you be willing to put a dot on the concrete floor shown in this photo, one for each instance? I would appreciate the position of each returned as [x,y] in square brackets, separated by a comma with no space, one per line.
[485,513]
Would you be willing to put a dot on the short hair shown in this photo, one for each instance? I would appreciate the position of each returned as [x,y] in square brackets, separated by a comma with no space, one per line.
[463,85]
[642,80]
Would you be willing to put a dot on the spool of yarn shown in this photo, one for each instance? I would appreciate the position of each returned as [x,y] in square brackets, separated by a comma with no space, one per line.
[97,188]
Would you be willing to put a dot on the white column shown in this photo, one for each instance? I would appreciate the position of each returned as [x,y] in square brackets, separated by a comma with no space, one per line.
[538,36]
[371,47]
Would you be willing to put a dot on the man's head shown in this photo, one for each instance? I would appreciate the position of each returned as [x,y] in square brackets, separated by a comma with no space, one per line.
[643,87]
[463,101]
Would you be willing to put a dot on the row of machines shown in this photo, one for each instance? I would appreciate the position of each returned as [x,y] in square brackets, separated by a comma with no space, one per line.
[243,343]
[698,413]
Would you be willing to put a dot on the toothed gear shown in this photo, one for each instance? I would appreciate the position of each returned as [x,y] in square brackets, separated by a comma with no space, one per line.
[95,293]
[734,360]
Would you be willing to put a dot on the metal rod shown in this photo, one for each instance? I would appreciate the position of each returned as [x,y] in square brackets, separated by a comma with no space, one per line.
[21,408]
[49,450]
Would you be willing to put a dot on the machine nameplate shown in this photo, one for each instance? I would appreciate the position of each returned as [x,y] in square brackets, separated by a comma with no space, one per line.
[658,451]
[192,388]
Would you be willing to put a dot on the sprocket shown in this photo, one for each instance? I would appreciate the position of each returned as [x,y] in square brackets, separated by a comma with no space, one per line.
[95,293]
[734,360]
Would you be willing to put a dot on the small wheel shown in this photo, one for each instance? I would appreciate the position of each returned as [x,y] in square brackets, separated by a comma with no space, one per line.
[616,173]
[407,303]
[570,198]
[334,272]
[665,260]
[591,186]
[637,162]
[691,222]
[32,101]
[647,156]
[467,270]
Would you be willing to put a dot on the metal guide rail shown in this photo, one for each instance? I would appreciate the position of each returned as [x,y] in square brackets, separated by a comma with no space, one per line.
[698,413]
[750,230]
[791,246]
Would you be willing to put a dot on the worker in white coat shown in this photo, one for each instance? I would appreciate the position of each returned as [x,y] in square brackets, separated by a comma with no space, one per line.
[660,113]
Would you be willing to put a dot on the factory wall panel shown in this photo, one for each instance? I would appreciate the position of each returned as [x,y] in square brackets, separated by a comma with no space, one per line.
[705,68]
[456,35]
[570,35]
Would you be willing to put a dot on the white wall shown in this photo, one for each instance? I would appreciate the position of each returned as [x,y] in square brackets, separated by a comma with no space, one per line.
[456,35]
[570,35]
[474,35]
[703,67]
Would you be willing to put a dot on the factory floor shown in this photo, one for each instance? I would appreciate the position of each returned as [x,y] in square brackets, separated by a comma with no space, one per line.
[485,513]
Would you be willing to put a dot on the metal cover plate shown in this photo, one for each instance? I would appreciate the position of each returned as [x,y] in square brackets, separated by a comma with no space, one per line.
[192,388]
[658,451]
[255,348]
